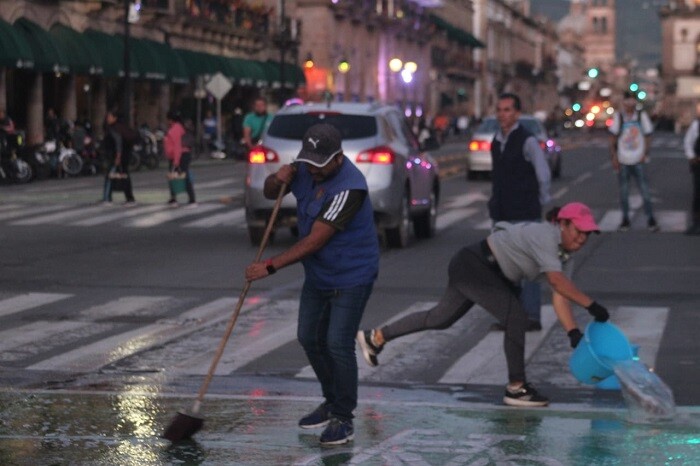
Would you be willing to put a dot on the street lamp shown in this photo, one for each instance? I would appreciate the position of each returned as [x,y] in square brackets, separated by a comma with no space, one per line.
[395,65]
[131,15]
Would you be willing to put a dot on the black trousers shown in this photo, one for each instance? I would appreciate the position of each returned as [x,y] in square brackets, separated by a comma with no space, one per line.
[185,161]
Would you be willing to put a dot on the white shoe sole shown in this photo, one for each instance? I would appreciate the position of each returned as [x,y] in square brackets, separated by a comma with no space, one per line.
[314,426]
[366,350]
[340,442]
[524,403]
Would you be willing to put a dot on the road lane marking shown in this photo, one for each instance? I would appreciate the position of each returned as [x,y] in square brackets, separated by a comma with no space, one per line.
[486,362]
[29,301]
[233,218]
[29,210]
[451,217]
[61,216]
[93,356]
[119,214]
[171,214]
[125,306]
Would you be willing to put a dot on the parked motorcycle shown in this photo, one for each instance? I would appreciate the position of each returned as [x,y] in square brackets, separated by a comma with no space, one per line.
[145,152]
[52,154]
[13,167]
[85,145]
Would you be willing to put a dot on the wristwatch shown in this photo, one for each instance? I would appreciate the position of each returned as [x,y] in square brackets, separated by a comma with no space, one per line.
[270,268]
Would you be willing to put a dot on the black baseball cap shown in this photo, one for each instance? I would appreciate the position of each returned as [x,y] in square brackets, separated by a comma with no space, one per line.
[320,144]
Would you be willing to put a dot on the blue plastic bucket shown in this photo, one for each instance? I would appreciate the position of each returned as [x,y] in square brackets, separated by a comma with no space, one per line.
[612,382]
[593,359]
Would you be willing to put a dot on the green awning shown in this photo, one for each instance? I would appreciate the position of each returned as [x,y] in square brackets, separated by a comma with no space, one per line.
[175,67]
[293,74]
[149,64]
[112,52]
[272,73]
[83,56]
[456,34]
[14,49]
[48,54]
[199,63]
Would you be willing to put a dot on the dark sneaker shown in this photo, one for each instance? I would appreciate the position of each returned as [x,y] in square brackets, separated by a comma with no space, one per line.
[337,432]
[624,226]
[525,396]
[652,225]
[319,417]
[369,350]
[173,204]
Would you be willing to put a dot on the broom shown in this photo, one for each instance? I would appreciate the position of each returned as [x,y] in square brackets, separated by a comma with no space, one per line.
[184,426]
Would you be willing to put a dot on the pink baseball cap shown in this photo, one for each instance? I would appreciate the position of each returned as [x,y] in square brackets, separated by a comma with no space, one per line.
[580,215]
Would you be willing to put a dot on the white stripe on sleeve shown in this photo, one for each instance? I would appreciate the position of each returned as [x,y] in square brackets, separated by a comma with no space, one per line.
[336,206]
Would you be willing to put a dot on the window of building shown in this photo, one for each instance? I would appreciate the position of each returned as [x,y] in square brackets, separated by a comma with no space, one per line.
[603,25]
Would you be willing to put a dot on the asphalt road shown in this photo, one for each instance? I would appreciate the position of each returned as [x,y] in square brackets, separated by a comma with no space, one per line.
[94,293]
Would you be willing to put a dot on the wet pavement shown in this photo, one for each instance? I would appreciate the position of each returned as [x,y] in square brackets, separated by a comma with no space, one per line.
[247,425]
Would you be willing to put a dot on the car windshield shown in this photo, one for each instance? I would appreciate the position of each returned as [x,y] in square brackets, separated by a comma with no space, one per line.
[490,125]
[350,126]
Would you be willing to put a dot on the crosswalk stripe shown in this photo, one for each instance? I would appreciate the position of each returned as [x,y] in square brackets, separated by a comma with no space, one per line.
[171,214]
[125,306]
[216,183]
[59,217]
[121,213]
[486,362]
[29,301]
[4,207]
[36,331]
[259,333]
[93,356]
[224,219]
[451,217]
[28,210]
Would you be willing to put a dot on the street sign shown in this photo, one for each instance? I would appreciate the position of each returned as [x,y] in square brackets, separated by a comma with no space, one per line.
[218,86]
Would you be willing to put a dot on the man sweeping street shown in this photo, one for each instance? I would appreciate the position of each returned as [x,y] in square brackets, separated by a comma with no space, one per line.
[339,249]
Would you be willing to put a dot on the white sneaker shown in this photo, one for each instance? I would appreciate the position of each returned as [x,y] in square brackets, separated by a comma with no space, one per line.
[191,205]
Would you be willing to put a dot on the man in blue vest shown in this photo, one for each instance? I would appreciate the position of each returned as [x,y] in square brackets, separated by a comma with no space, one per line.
[339,249]
[520,187]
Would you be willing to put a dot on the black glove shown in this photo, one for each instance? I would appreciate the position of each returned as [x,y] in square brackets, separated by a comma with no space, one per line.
[598,312]
[575,336]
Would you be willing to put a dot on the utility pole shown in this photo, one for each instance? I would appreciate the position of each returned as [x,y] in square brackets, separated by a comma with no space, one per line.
[126,102]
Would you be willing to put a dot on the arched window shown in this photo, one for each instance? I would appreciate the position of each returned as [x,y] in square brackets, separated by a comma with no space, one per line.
[595,24]
[603,25]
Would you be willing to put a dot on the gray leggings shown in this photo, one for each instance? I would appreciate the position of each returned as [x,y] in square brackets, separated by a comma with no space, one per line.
[472,280]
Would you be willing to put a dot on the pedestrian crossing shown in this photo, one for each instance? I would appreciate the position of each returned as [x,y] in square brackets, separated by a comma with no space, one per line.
[468,208]
[178,339]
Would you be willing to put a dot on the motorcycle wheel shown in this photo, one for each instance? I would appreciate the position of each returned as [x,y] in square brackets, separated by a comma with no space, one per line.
[23,171]
[134,161]
[72,164]
[152,162]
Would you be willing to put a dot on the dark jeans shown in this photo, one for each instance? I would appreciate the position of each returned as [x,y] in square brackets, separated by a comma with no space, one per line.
[328,323]
[128,190]
[473,280]
[637,172]
[185,161]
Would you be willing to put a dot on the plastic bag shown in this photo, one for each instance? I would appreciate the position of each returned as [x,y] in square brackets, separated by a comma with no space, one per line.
[648,398]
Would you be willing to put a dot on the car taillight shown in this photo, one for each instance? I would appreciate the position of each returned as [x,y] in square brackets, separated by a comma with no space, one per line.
[379,155]
[262,154]
[477,145]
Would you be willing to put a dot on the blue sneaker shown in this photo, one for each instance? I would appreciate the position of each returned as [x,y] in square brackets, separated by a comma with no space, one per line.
[338,432]
[319,417]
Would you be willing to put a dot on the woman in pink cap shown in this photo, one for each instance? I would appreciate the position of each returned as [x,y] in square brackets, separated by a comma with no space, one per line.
[488,273]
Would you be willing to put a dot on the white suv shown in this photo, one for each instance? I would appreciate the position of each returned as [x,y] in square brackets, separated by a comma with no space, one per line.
[403,180]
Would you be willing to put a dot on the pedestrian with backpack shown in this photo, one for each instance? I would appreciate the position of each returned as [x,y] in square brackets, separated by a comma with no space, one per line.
[117,145]
[691,144]
[178,144]
[630,141]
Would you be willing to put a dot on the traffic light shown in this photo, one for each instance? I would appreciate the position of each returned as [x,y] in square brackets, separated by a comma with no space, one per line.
[593,73]
[634,87]
[642,95]
[576,107]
